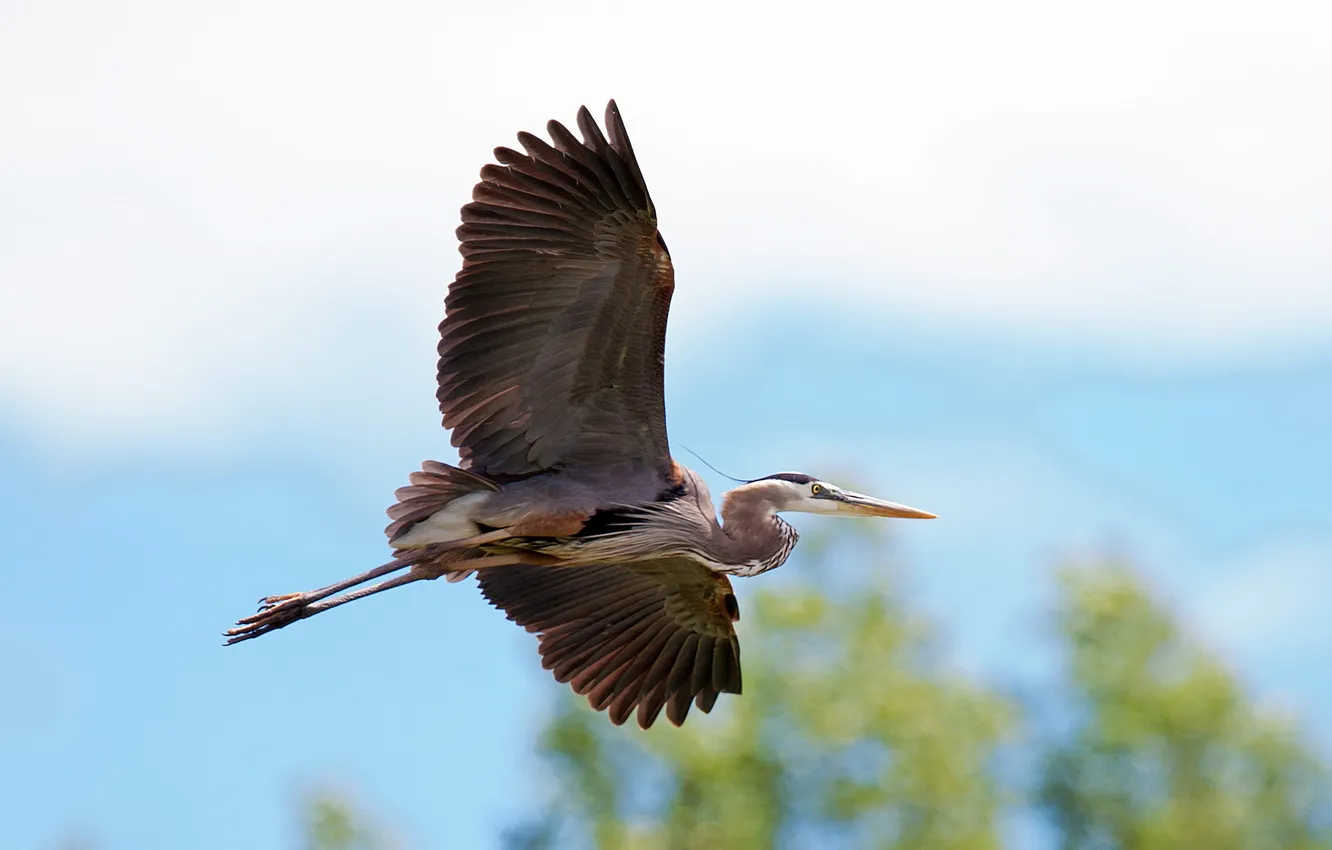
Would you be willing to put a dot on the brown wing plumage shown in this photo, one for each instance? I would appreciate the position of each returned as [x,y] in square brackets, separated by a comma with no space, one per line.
[648,635]
[551,353]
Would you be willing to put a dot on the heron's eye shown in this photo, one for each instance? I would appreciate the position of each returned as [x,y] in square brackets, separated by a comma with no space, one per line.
[816,489]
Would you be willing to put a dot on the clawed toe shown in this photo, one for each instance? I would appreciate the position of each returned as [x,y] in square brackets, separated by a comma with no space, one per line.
[274,601]
[271,604]
[274,613]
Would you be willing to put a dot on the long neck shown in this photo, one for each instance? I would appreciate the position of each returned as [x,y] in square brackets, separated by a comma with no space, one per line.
[760,540]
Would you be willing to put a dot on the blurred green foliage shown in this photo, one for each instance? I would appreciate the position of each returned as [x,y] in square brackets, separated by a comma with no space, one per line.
[332,822]
[1164,750]
[854,731]
[850,729]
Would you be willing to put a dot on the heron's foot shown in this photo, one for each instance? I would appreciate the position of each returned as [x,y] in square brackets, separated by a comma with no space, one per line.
[274,613]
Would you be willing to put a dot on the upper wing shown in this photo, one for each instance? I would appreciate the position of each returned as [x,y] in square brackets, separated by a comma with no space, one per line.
[551,352]
[642,634]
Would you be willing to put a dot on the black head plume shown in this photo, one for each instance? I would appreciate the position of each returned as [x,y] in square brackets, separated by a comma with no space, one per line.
[793,477]
[713,468]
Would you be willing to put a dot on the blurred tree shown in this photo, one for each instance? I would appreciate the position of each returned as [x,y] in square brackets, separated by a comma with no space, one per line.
[853,733]
[332,823]
[850,729]
[1163,750]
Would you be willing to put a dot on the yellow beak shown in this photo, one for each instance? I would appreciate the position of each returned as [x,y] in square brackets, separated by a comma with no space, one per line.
[858,505]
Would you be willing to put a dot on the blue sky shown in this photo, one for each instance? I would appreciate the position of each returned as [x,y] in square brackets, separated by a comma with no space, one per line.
[1060,279]
[125,719]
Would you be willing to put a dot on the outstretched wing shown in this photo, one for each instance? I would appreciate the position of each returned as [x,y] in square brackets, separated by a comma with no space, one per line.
[551,352]
[646,635]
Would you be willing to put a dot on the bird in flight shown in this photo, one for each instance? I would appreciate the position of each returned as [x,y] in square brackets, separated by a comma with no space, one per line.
[565,501]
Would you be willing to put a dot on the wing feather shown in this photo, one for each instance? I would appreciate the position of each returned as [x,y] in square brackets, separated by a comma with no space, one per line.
[706,699]
[551,351]
[677,706]
[646,635]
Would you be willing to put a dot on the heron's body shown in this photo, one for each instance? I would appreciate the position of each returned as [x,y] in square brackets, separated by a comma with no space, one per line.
[566,501]
[682,522]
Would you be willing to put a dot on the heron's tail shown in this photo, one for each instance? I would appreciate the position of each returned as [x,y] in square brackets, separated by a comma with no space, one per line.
[431,491]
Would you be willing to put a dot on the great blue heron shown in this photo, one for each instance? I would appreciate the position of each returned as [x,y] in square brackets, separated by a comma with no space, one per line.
[566,500]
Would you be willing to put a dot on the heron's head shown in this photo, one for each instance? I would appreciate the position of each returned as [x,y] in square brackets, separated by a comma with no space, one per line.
[795,491]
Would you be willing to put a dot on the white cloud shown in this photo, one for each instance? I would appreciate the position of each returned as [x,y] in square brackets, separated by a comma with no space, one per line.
[189,190]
